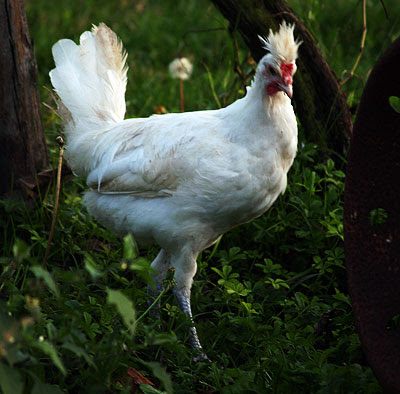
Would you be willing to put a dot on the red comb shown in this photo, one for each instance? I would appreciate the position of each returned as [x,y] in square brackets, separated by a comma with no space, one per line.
[287,68]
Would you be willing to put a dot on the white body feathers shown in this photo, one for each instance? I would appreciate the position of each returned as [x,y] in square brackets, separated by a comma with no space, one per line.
[180,180]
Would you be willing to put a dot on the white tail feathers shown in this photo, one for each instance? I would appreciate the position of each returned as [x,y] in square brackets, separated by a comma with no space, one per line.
[90,79]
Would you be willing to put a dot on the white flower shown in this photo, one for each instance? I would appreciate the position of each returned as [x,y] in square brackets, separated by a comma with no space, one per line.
[181,68]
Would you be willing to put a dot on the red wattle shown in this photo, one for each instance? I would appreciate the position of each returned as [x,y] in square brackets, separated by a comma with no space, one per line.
[272,88]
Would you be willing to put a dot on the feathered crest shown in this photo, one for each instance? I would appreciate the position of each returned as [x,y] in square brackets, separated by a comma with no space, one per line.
[282,44]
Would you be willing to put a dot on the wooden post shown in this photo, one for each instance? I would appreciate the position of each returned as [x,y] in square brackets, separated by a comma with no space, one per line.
[371,221]
[22,145]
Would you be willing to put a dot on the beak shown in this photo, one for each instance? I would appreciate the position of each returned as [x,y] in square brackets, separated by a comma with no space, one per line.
[287,88]
[286,85]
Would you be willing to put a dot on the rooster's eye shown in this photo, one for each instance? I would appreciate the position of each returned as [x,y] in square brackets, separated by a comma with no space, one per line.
[272,71]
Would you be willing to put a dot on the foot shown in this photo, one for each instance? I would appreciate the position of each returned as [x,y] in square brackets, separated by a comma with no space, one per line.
[200,357]
[183,298]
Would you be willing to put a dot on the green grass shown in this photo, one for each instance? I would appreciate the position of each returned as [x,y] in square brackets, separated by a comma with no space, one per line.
[270,301]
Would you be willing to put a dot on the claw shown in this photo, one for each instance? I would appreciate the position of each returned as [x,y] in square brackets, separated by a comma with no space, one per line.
[200,357]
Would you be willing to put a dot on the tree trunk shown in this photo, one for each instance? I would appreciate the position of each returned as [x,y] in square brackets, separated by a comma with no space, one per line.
[318,99]
[22,144]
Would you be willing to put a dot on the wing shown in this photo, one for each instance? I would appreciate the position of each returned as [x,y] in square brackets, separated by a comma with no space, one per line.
[152,157]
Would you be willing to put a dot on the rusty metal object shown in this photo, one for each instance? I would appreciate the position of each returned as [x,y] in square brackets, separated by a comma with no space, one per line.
[372,221]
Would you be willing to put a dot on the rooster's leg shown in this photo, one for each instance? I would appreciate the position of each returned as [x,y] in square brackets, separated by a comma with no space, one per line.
[160,265]
[183,298]
[184,273]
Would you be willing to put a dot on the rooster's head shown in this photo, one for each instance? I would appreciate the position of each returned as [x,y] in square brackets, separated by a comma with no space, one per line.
[278,66]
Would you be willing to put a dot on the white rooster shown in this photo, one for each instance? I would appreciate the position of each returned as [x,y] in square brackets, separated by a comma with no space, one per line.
[180,180]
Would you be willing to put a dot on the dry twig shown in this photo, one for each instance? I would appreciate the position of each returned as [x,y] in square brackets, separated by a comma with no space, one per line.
[364,34]
[58,187]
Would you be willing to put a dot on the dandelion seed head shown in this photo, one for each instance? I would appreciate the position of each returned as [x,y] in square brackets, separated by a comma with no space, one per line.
[181,68]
